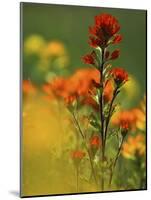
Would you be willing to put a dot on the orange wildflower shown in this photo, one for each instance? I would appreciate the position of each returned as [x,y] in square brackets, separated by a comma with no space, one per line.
[125,119]
[140,114]
[54,48]
[28,87]
[77,154]
[82,83]
[95,141]
[108,91]
[135,145]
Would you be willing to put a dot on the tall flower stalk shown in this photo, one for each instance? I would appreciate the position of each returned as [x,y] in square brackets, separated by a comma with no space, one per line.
[102,34]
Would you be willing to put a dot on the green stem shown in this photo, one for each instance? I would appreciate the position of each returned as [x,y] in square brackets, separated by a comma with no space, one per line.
[115,161]
[109,115]
[88,151]
[77,177]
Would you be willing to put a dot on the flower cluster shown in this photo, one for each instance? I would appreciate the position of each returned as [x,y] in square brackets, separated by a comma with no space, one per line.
[120,76]
[104,31]
[81,85]
[134,146]
[125,119]
[131,119]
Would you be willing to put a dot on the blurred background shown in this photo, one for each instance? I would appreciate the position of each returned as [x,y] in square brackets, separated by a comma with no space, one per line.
[55,37]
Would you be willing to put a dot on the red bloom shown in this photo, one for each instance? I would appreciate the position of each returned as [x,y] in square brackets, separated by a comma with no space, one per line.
[115,54]
[120,75]
[117,39]
[94,42]
[89,58]
[95,141]
[108,23]
[106,26]
[77,154]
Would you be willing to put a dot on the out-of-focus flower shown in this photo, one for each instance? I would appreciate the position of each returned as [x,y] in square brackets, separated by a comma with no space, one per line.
[108,91]
[120,76]
[80,85]
[134,146]
[34,44]
[55,54]
[115,54]
[95,142]
[140,114]
[131,119]
[28,87]
[74,86]
[105,28]
[77,156]
[131,95]
[54,48]
[125,119]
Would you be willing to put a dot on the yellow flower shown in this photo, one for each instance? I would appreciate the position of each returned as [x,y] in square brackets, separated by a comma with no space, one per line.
[34,45]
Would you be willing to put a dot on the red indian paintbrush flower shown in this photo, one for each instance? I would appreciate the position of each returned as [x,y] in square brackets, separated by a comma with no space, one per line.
[77,154]
[89,58]
[117,39]
[95,141]
[105,28]
[120,76]
[126,120]
[95,144]
[115,54]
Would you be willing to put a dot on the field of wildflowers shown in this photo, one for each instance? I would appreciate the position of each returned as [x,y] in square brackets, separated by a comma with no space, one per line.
[84,128]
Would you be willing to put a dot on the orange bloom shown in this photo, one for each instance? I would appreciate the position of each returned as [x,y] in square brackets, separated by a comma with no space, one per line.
[134,146]
[125,119]
[78,154]
[140,114]
[108,91]
[140,118]
[95,141]
[28,87]
[82,83]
